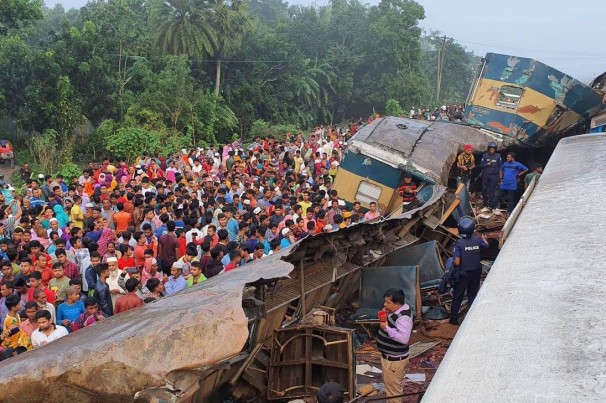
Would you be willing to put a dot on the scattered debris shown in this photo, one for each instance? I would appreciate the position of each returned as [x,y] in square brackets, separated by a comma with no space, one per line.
[416,377]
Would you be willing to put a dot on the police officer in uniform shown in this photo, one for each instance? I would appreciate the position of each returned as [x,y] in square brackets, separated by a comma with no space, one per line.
[467,255]
[491,166]
[392,342]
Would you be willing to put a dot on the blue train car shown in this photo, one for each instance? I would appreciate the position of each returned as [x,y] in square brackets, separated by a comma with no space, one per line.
[529,101]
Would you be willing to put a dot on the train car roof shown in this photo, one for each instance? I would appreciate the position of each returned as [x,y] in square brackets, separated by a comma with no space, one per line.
[424,148]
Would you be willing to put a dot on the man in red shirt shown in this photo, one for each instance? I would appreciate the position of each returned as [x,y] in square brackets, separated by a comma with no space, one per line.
[35,282]
[130,300]
[43,269]
[127,259]
[168,247]
[71,269]
[408,191]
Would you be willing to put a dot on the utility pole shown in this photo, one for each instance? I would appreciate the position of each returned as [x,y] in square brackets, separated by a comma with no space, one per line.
[441,53]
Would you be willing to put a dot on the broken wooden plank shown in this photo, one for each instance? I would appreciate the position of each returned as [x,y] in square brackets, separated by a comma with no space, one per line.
[420,347]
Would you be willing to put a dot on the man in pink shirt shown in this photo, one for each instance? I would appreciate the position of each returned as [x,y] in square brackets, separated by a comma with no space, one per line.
[372,213]
[392,342]
[29,325]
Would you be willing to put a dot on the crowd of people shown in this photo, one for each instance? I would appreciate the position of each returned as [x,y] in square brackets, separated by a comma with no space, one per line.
[450,112]
[74,251]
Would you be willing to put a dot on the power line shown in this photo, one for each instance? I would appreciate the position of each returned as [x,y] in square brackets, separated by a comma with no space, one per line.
[559,52]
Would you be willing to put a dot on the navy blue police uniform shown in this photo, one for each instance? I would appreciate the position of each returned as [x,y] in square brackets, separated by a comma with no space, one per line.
[491,165]
[469,250]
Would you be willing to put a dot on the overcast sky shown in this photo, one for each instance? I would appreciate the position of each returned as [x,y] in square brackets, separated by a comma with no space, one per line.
[557,32]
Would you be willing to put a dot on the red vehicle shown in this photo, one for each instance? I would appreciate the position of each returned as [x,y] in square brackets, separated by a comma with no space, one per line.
[6,152]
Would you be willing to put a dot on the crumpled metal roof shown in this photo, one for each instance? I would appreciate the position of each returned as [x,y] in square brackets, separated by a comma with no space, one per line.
[425,148]
[136,350]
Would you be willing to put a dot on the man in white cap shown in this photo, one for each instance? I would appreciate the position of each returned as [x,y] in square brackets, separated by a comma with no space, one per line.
[112,281]
[288,238]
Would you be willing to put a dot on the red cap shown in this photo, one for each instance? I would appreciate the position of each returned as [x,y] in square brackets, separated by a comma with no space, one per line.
[468,147]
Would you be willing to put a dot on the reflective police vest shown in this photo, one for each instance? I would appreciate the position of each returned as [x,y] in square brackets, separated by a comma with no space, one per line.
[386,344]
[470,253]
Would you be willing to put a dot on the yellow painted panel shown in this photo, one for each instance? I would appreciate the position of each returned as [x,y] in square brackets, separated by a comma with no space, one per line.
[533,106]
[487,95]
[347,183]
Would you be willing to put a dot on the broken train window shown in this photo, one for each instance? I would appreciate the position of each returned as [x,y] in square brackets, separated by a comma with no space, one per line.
[509,97]
[367,192]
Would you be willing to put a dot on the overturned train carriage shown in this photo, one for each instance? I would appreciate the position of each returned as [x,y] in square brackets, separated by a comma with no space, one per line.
[381,153]
[530,102]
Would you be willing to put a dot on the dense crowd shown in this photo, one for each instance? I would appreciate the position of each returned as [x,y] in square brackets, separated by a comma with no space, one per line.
[450,112]
[74,251]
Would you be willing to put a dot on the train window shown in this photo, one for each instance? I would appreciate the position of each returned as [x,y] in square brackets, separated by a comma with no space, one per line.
[367,192]
[509,97]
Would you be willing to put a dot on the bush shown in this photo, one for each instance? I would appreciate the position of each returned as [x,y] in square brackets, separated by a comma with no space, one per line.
[129,142]
[393,108]
[262,128]
[69,171]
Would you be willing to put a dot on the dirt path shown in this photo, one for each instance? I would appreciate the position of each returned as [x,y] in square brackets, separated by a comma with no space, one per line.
[7,171]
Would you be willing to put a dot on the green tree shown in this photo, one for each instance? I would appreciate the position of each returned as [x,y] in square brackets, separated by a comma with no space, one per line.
[230,20]
[121,142]
[16,14]
[181,27]
[393,108]
[458,69]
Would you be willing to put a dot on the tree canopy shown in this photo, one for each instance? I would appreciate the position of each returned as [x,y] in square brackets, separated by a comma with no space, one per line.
[198,71]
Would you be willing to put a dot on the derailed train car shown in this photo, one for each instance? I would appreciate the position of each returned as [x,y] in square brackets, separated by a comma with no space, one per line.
[381,153]
[191,344]
[529,101]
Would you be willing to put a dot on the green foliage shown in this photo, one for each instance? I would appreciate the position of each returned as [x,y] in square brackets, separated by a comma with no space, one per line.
[263,128]
[457,72]
[129,142]
[180,27]
[117,75]
[15,14]
[69,170]
[393,108]
[45,152]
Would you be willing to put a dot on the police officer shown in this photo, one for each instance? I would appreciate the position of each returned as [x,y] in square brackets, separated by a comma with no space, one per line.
[392,342]
[467,255]
[490,165]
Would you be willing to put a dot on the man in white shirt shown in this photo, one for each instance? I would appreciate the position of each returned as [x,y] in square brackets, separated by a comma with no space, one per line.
[112,281]
[47,331]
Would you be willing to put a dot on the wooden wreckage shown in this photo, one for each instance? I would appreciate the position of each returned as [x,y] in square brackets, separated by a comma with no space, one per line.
[216,339]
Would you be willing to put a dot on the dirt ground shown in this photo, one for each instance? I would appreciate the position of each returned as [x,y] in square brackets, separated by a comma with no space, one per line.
[7,171]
